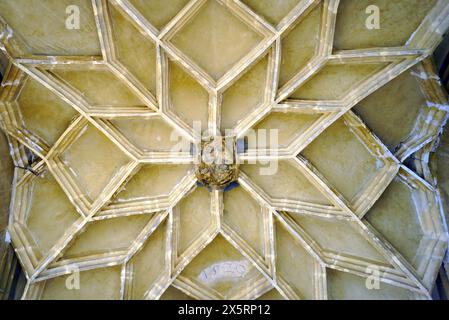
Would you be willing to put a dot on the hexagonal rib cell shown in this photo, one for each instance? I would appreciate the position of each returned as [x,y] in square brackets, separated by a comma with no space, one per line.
[340,80]
[331,154]
[106,237]
[59,34]
[283,185]
[154,181]
[148,134]
[96,284]
[272,10]
[148,269]
[157,12]
[398,22]
[187,98]
[152,188]
[409,205]
[26,108]
[93,160]
[352,242]
[289,127]
[209,39]
[43,113]
[299,44]
[398,112]
[99,87]
[245,95]
[347,286]
[135,51]
[43,216]
[295,267]
[402,100]
[239,207]
[220,271]
[193,225]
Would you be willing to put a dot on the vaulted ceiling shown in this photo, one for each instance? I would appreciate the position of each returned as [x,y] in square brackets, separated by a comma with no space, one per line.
[106,123]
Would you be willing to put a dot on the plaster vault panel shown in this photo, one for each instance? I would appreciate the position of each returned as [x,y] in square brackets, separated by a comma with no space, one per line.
[107,122]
